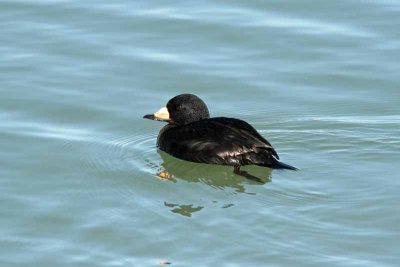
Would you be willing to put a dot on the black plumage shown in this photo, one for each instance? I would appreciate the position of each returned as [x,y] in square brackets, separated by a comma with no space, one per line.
[193,136]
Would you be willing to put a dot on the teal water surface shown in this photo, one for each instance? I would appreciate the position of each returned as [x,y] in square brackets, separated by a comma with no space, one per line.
[82,182]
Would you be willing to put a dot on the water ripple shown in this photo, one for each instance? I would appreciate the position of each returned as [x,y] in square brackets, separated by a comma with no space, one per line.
[251,18]
[18,126]
[123,153]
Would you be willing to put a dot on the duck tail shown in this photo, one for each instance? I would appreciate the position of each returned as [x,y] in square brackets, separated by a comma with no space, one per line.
[276,164]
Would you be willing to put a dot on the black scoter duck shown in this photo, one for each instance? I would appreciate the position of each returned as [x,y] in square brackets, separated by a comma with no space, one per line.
[193,136]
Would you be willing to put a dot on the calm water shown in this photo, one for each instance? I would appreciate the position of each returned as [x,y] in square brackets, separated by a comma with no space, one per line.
[79,167]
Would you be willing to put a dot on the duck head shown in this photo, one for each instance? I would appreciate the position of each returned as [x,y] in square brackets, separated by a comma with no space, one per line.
[181,110]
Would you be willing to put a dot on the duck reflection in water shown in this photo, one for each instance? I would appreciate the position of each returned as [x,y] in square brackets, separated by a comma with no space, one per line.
[214,176]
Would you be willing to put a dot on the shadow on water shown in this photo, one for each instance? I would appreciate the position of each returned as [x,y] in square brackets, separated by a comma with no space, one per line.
[214,176]
[185,210]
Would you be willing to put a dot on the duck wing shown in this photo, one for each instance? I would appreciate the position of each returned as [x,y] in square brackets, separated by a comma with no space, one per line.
[245,128]
[219,140]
